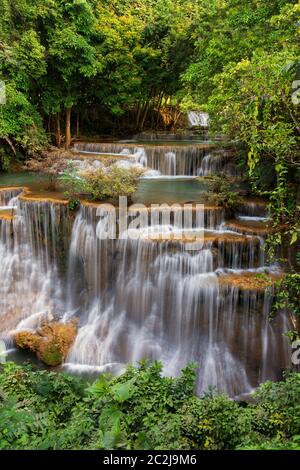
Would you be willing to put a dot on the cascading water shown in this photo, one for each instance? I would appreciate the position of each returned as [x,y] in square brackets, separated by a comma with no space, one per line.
[211,164]
[218,162]
[29,283]
[142,298]
[7,196]
[198,119]
[253,209]
[145,297]
[171,163]
[183,160]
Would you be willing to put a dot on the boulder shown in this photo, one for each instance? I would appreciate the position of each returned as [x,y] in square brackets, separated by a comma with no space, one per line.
[51,342]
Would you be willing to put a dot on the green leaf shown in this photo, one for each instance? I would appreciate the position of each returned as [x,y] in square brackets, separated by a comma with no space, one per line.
[294,238]
[279,167]
[122,392]
[100,387]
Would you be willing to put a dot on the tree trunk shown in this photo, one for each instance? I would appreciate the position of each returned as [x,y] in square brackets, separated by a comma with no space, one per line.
[77,124]
[9,142]
[176,118]
[139,109]
[68,127]
[144,116]
[58,132]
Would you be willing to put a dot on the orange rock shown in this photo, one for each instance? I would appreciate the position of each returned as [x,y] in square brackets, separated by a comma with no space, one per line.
[51,342]
[26,340]
[250,281]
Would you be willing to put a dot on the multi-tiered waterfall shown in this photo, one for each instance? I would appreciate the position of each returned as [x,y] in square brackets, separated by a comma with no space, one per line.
[144,297]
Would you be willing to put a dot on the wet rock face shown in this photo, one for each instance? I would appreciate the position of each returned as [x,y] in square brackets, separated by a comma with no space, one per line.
[51,342]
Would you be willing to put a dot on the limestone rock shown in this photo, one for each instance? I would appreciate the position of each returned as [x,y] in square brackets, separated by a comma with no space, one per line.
[51,342]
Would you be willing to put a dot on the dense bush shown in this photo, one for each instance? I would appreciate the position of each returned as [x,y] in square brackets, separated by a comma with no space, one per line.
[277,413]
[215,422]
[141,410]
[21,128]
[103,183]
[221,192]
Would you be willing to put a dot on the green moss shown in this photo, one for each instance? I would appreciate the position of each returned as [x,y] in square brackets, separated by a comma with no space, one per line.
[52,354]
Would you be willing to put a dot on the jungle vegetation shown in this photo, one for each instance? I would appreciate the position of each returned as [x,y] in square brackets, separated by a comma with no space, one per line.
[42,410]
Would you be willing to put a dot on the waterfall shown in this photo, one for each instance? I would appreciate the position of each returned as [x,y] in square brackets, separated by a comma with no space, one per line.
[255,338]
[198,119]
[171,163]
[182,160]
[211,164]
[253,209]
[141,298]
[218,162]
[146,297]
[29,285]
[7,194]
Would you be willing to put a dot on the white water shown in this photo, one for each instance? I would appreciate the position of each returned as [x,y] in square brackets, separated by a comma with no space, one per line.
[143,298]
[172,161]
[198,119]
[159,301]
[181,160]
[29,286]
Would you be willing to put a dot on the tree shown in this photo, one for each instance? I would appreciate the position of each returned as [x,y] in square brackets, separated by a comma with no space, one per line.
[248,57]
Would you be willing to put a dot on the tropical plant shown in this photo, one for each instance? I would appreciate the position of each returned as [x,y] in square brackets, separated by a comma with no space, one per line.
[141,409]
[103,183]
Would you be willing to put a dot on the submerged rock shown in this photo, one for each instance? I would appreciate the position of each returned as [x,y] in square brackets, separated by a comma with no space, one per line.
[51,342]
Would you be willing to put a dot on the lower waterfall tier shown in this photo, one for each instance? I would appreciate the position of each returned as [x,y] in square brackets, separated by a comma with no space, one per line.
[139,298]
[142,298]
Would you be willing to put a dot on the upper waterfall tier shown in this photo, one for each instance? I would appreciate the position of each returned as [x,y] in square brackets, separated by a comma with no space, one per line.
[170,160]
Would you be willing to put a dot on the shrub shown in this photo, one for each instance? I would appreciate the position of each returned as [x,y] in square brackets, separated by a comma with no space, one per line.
[277,412]
[102,183]
[221,192]
[215,422]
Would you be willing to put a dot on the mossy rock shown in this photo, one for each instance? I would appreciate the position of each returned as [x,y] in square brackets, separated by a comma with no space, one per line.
[51,342]
[51,354]
[26,340]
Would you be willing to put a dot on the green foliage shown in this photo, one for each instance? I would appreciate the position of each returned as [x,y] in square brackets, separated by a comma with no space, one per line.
[288,294]
[73,204]
[288,299]
[141,409]
[71,182]
[221,192]
[243,74]
[101,184]
[4,160]
[277,412]
[215,422]
[103,58]
[20,124]
[112,182]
